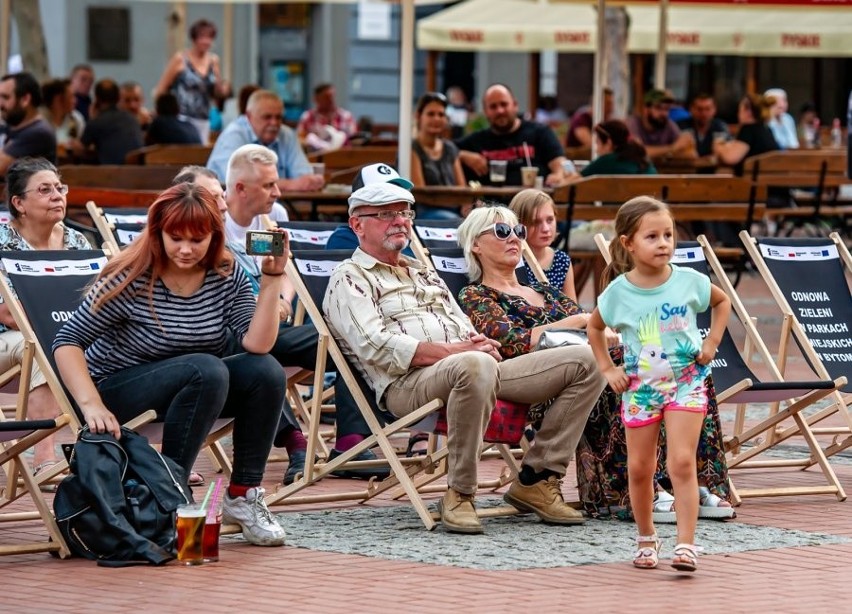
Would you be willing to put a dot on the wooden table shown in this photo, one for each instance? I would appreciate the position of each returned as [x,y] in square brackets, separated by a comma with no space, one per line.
[455,197]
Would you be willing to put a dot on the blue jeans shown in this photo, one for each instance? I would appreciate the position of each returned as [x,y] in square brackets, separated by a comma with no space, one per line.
[190,392]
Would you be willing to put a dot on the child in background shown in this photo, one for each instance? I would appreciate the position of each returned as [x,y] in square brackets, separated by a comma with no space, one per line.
[535,210]
[653,304]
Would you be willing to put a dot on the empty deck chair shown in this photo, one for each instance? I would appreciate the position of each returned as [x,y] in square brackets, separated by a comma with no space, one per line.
[808,280]
[117,227]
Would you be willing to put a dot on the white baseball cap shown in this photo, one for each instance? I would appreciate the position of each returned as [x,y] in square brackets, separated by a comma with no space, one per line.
[379,173]
[378,194]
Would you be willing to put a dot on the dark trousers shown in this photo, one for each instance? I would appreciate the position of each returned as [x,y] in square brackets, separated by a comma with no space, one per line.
[190,392]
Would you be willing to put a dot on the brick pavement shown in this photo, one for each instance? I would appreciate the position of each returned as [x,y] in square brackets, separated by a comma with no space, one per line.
[802,579]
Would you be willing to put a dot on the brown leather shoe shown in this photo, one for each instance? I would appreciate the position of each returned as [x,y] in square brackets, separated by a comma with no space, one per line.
[544,499]
[458,514]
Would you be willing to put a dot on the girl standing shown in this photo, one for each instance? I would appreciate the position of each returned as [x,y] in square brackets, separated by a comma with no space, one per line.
[653,304]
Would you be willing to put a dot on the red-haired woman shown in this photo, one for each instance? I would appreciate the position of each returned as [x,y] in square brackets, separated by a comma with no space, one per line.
[152,332]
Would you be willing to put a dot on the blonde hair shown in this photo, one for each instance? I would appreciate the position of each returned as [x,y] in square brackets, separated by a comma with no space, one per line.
[474,225]
[243,161]
[527,202]
[627,222]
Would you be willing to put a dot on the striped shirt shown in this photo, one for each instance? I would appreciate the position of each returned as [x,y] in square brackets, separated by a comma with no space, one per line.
[380,313]
[123,333]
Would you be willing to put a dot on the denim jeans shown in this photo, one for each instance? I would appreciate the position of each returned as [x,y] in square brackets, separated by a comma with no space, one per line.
[190,392]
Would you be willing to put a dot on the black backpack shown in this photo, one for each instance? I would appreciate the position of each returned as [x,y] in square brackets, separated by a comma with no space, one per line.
[118,504]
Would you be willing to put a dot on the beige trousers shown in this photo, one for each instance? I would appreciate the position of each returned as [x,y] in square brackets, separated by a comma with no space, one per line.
[12,353]
[469,383]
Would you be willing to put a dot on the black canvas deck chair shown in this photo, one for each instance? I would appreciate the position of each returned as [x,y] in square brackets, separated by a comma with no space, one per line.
[737,384]
[16,437]
[50,285]
[309,235]
[117,227]
[808,279]
[310,271]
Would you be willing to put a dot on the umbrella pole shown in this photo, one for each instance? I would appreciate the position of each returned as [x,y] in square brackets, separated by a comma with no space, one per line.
[660,64]
[597,87]
[406,86]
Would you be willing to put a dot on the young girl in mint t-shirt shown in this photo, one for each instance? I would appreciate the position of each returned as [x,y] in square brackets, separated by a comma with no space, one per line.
[653,304]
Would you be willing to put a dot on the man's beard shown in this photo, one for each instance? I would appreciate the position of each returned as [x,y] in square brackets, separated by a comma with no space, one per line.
[504,129]
[15,116]
[658,122]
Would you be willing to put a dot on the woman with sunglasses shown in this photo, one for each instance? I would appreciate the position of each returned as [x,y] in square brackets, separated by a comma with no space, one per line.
[36,200]
[434,159]
[503,309]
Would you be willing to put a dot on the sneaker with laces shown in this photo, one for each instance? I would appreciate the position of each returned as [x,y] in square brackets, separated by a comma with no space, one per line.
[544,498]
[250,512]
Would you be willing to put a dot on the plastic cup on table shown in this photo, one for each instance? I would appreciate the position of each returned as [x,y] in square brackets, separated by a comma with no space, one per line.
[528,176]
[497,171]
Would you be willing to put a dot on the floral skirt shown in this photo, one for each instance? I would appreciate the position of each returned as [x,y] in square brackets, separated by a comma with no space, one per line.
[602,458]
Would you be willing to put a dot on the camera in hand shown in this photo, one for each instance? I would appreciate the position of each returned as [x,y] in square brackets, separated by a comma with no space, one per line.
[264,243]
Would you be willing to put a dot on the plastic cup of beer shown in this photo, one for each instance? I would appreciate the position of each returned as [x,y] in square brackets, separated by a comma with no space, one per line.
[720,137]
[210,542]
[318,168]
[497,171]
[528,175]
[190,534]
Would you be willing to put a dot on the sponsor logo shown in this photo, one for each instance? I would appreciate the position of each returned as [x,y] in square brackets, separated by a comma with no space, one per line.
[467,36]
[573,38]
[801,41]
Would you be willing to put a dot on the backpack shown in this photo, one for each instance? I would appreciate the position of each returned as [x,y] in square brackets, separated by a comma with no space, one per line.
[118,504]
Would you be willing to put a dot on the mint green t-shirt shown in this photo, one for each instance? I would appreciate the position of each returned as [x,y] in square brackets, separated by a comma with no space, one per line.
[660,334]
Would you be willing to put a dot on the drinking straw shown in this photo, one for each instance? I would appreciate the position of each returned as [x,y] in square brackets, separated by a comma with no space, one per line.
[214,502]
[207,496]
[527,154]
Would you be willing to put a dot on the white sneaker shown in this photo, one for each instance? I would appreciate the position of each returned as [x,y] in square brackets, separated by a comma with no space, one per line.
[250,512]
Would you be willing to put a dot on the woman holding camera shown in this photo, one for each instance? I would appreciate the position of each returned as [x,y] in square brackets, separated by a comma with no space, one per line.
[152,333]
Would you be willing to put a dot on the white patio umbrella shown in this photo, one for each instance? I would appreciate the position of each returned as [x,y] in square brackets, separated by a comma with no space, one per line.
[406,69]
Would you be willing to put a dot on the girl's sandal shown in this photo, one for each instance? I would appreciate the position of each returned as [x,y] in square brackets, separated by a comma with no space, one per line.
[685,557]
[647,557]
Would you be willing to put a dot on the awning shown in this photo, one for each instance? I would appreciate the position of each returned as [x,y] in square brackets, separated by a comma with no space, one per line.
[527,25]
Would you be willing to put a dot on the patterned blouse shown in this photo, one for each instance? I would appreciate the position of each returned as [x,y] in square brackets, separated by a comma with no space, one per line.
[509,319]
[557,272]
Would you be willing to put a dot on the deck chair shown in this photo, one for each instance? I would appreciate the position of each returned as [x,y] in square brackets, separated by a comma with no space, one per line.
[117,227]
[737,384]
[16,437]
[50,286]
[309,235]
[310,271]
[808,281]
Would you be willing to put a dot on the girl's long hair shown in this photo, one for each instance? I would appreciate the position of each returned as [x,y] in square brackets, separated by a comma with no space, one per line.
[183,209]
[627,222]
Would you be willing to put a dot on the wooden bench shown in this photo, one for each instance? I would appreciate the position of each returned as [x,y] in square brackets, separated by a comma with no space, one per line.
[814,174]
[341,165]
[176,155]
[119,177]
[691,198]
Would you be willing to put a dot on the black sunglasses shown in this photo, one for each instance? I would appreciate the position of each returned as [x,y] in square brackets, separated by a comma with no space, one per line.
[503,231]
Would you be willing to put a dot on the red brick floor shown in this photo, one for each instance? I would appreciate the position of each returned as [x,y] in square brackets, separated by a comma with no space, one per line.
[252,579]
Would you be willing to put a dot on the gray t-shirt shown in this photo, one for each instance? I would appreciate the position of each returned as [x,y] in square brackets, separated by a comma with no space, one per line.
[35,139]
[666,136]
[440,171]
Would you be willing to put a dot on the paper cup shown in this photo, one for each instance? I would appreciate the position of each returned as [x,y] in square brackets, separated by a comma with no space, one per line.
[528,175]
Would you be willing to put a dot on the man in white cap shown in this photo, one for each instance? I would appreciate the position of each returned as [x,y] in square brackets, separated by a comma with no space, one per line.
[396,320]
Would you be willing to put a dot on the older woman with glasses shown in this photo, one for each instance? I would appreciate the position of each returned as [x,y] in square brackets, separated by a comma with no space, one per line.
[434,159]
[36,200]
[517,316]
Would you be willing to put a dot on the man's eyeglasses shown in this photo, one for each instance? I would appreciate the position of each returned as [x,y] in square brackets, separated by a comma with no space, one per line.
[389,216]
[46,189]
[503,231]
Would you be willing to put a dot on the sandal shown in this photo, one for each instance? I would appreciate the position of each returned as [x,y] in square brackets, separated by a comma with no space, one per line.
[413,441]
[685,557]
[663,511]
[647,557]
[710,506]
[195,479]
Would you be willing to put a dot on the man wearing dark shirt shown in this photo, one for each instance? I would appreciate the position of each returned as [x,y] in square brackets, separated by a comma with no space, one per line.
[111,132]
[703,124]
[654,129]
[512,139]
[169,127]
[26,133]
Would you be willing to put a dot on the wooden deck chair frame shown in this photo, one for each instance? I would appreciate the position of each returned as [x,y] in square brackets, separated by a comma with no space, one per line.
[747,388]
[401,469]
[106,228]
[792,329]
[15,438]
